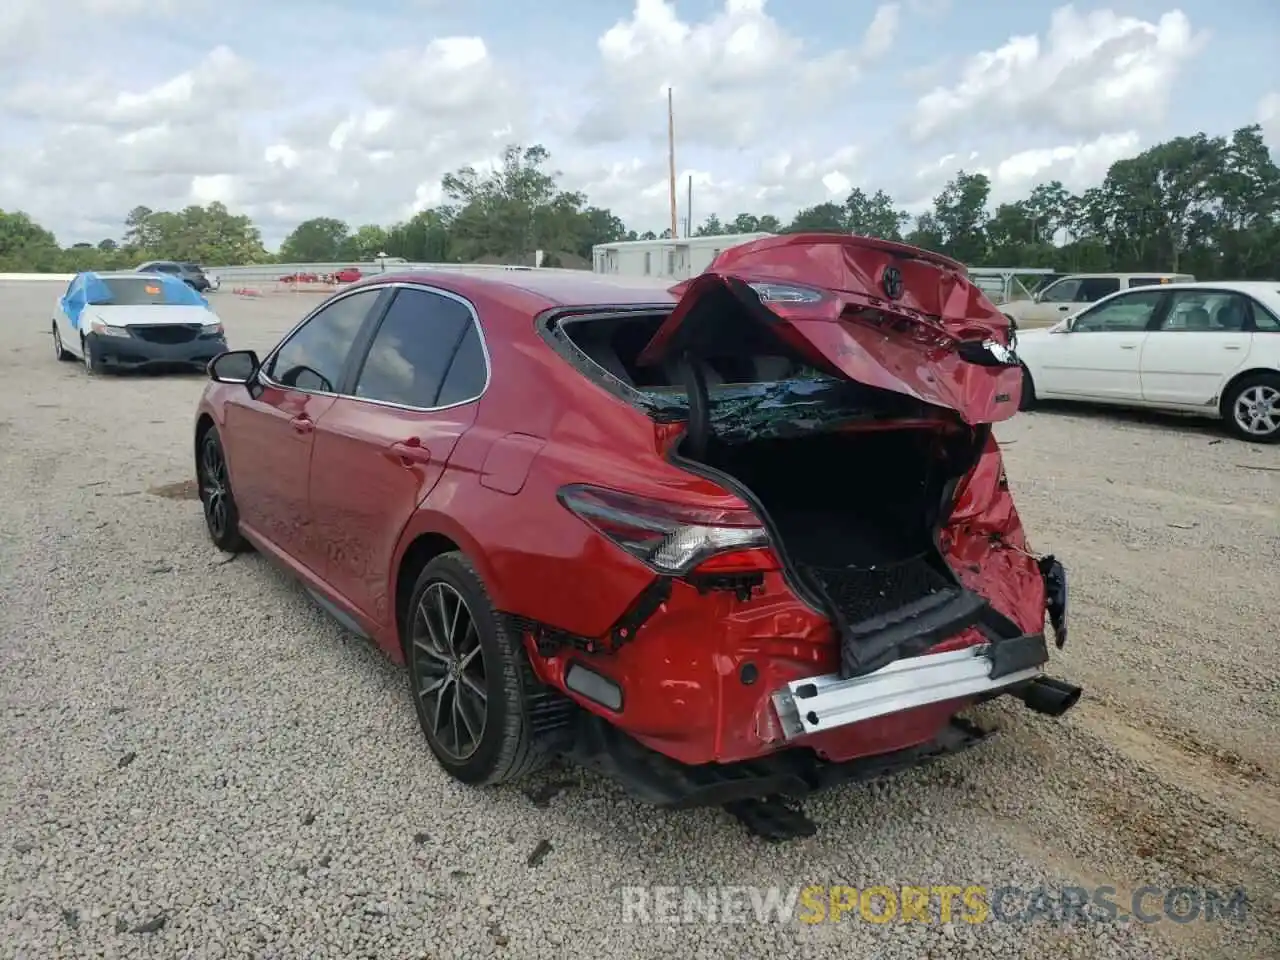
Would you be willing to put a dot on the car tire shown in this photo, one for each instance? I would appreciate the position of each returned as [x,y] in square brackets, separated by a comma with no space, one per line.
[59,351]
[454,651]
[213,478]
[89,353]
[1253,393]
[1027,398]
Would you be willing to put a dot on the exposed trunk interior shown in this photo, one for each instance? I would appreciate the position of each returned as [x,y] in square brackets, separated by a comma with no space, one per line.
[853,488]
[855,511]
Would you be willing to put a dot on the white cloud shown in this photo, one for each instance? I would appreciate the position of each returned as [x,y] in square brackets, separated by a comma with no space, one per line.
[1076,165]
[768,119]
[27,26]
[1093,73]
[734,77]
[883,30]
[1269,117]
[220,82]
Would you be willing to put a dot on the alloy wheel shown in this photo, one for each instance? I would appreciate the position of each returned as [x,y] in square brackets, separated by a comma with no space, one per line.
[1257,410]
[57,343]
[450,677]
[213,486]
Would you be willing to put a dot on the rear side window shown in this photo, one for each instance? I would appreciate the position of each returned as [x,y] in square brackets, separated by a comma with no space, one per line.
[314,357]
[1095,288]
[1145,281]
[468,372]
[414,350]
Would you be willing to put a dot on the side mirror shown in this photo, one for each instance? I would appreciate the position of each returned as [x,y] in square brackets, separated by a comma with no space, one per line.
[234,366]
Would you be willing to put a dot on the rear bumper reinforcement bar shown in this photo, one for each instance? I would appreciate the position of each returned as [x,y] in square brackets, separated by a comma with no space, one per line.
[821,703]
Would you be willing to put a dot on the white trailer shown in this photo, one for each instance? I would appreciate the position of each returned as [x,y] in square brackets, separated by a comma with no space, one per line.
[676,259]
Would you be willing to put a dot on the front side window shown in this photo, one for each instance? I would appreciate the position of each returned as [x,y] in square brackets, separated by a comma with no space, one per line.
[1064,291]
[413,351]
[1125,314]
[313,358]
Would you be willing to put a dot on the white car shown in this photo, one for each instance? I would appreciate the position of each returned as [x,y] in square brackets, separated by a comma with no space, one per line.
[1072,293]
[1211,349]
[128,320]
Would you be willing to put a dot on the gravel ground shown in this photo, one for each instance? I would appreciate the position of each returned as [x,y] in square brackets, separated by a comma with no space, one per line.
[199,763]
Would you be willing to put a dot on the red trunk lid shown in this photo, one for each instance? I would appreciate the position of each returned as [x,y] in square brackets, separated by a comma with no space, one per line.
[887,315]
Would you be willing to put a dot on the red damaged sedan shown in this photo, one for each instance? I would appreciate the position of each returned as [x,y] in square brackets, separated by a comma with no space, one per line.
[727,542]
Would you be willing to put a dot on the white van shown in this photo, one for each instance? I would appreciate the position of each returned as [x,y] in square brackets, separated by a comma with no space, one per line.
[1073,293]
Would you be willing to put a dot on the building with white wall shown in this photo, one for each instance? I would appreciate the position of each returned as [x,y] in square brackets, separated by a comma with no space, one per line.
[676,259]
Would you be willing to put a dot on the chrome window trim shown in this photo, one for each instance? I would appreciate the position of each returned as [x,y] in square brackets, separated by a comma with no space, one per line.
[394,284]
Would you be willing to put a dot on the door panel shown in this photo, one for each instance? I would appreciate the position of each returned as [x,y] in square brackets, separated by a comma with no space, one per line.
[380,453]
[271,427]
[1200,343]
[269,440]
[1099,357]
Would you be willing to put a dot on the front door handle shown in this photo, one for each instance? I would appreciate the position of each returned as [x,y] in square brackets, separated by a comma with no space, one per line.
[1128,346]
[1064,308]
[1231,346]
[409,452]
[302,424]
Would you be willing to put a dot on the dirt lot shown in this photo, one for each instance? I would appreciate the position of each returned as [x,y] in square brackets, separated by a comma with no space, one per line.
[199,763]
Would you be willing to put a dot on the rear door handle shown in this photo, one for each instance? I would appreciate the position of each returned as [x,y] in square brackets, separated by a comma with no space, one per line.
[1231,346]
[410,452]
[1128,346]
[303,424]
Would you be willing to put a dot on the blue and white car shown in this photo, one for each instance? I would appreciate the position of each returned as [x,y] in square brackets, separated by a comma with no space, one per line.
[129,320]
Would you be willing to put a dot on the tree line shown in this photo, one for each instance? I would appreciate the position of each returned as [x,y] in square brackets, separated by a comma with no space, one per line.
[1196,204]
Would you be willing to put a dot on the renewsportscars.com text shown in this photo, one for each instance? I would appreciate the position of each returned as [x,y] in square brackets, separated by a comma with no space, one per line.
[941,903]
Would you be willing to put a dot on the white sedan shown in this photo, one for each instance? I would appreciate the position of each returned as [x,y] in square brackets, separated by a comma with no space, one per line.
[1211,349]
[129,320]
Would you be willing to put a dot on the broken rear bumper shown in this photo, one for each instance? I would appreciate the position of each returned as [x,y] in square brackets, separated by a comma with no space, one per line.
[1008,663]
[818,704]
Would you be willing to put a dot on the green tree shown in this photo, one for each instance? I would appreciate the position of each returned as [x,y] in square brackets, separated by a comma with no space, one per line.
[874,216]
[823,218]
[25,246]
[423,238]
[960,212]
[318,240]
[513,210]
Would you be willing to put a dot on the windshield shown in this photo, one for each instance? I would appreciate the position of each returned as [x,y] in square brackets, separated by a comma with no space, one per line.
[141,291]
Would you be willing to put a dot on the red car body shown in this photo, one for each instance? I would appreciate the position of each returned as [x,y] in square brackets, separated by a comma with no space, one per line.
[794,510]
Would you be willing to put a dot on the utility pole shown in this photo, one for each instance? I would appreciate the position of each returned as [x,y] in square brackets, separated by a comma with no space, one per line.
[671,162]
[688,210]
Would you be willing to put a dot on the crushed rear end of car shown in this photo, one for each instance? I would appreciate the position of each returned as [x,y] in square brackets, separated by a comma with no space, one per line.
[839,567]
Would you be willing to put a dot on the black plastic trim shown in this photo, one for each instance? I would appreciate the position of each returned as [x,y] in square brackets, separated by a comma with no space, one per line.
[908,631]
[1016,654]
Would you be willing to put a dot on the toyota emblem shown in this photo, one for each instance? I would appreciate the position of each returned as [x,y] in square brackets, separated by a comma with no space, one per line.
[892,282]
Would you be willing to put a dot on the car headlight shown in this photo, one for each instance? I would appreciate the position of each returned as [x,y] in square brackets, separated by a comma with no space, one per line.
[97,326]
[213,329]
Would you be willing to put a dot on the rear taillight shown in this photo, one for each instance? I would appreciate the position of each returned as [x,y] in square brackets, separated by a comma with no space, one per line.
[670,538]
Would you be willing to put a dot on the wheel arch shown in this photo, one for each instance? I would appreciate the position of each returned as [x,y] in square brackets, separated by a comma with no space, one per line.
[1234,381]
[204,423]
[427,537]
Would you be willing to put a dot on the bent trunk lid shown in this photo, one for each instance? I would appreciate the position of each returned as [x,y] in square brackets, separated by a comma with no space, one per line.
[886,315]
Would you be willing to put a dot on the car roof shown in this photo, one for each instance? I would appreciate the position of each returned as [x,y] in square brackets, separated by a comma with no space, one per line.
[1125,273]
[537,289]
[1268,291]
[132,274]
